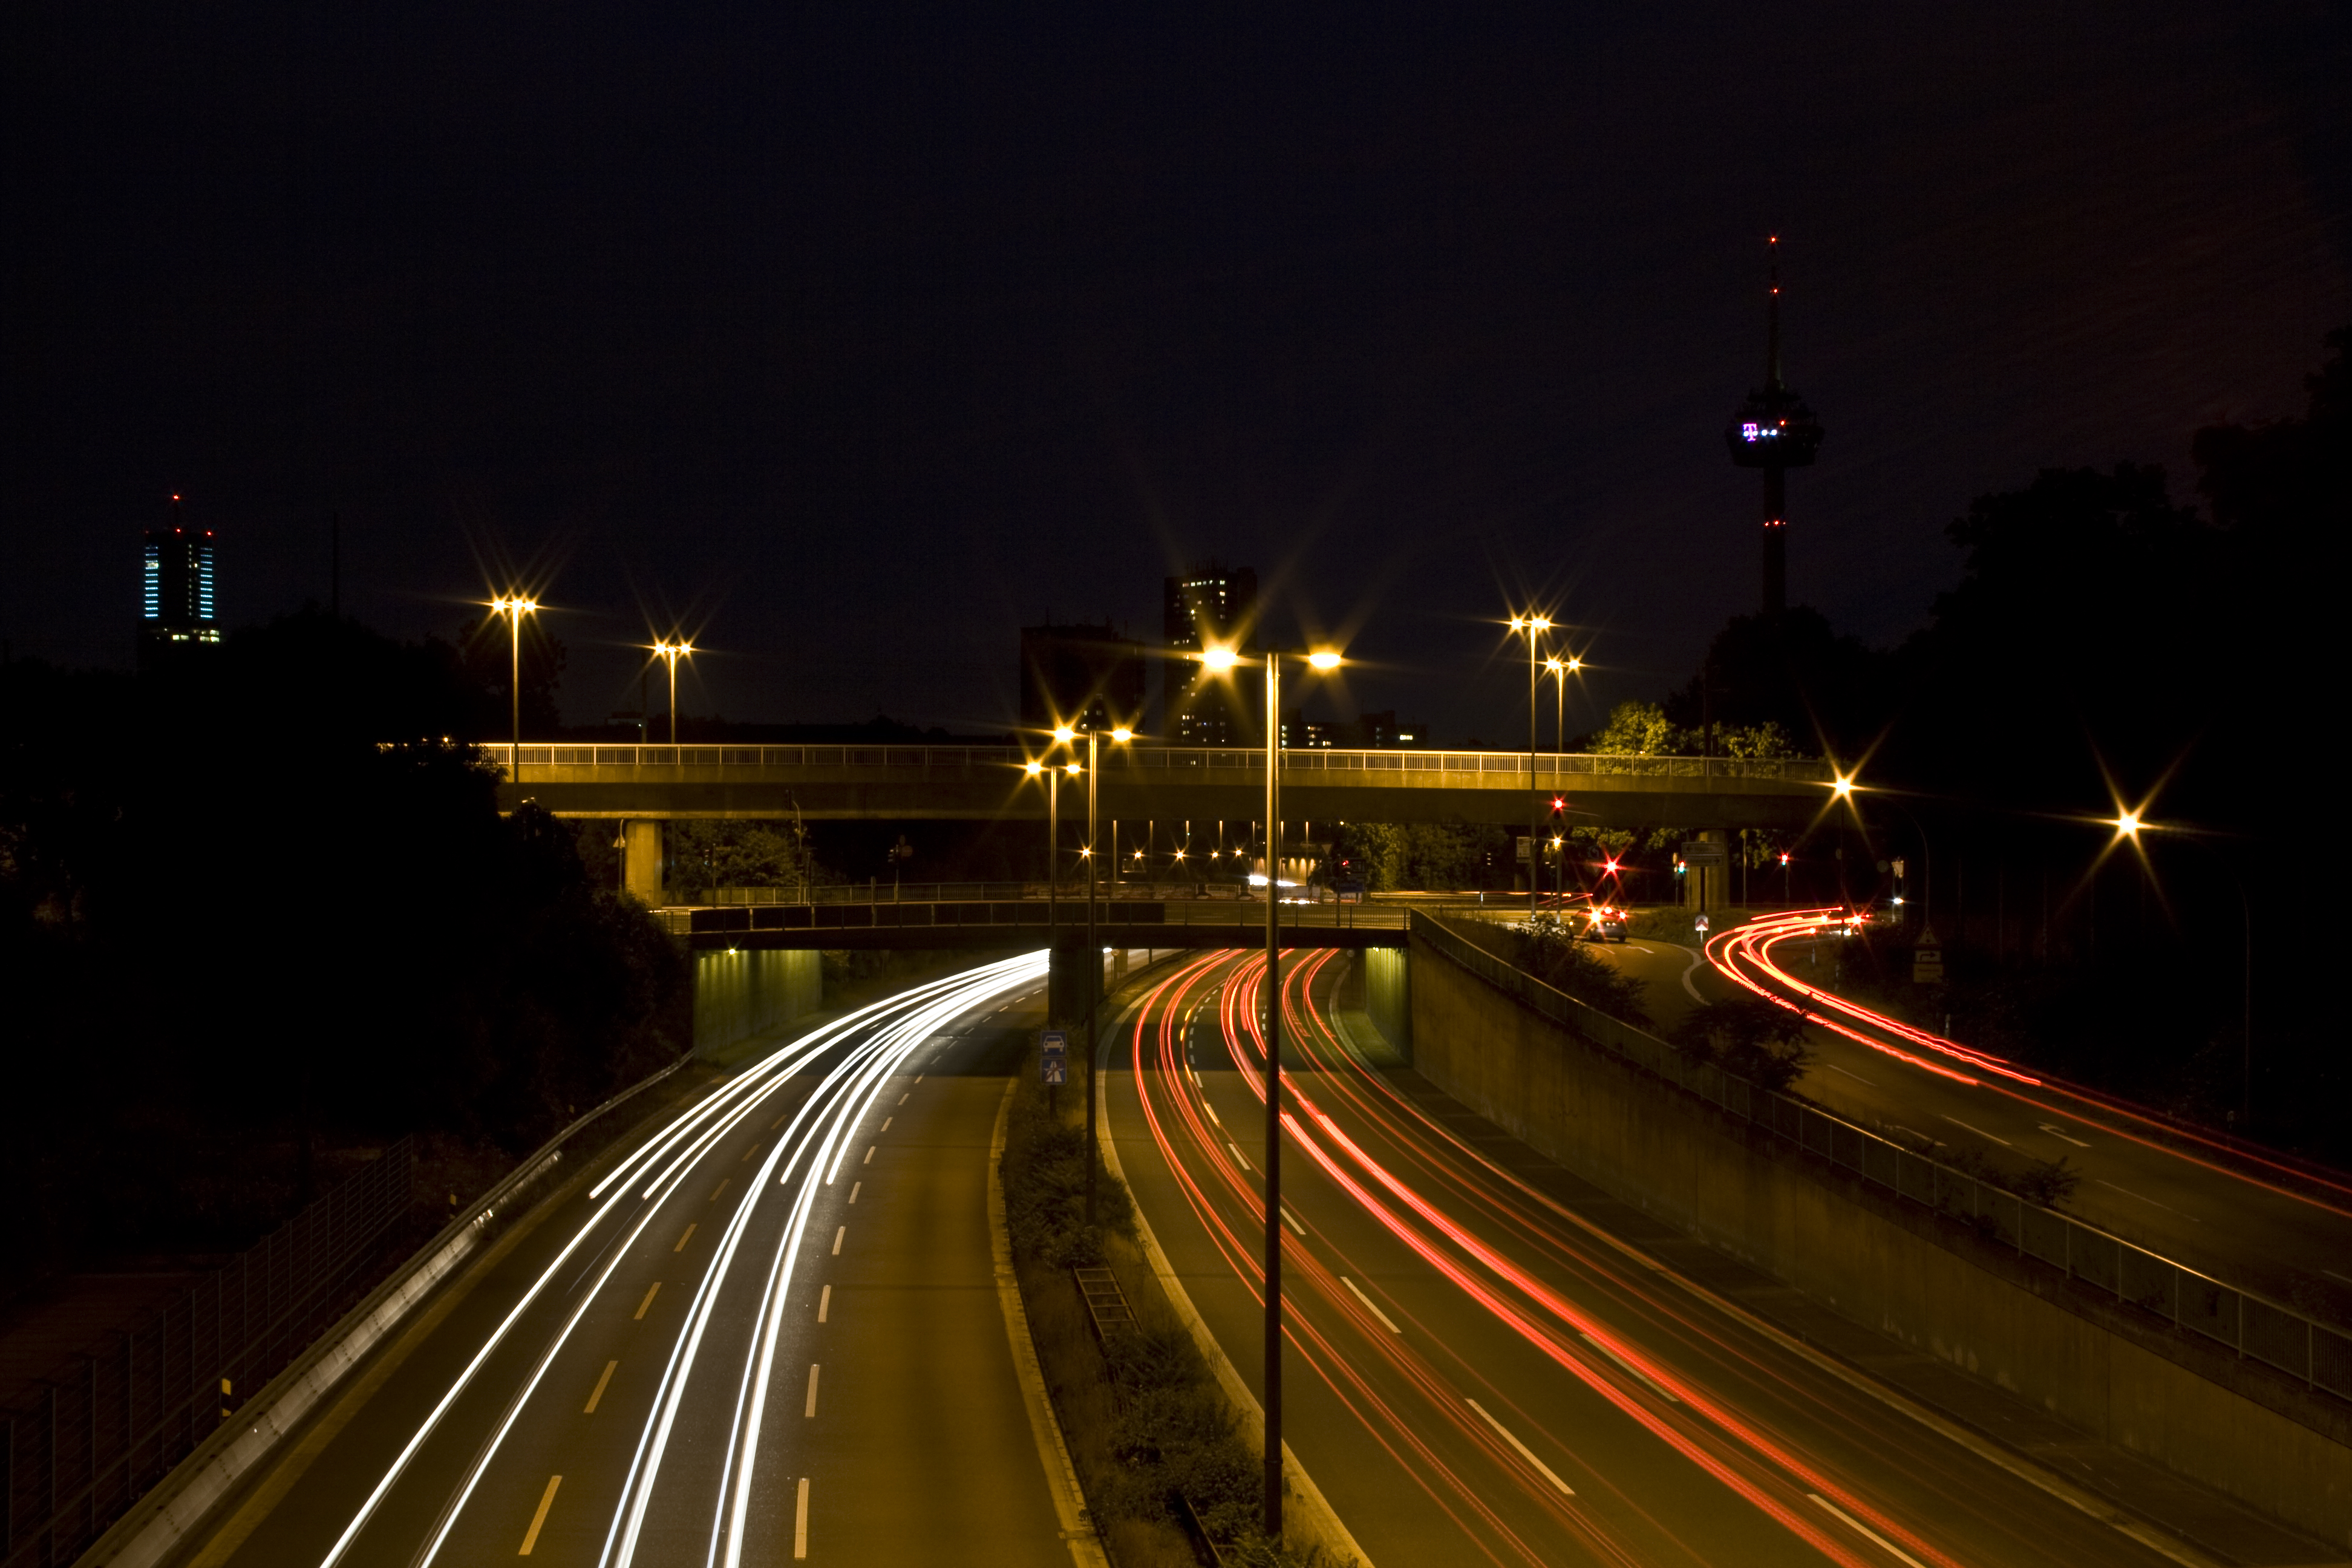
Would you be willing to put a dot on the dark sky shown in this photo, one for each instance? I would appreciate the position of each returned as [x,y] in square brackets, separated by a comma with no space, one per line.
[851,336]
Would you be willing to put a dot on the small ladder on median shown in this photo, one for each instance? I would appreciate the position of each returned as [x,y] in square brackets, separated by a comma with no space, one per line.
[1107,1305]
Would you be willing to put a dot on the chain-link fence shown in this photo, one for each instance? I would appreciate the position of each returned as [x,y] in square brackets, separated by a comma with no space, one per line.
[112,1422]
[2254,1327]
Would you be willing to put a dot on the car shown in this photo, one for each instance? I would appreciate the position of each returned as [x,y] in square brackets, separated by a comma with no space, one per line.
[1603,923]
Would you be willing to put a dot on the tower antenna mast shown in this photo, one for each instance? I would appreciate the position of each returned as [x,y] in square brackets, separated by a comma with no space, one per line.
[1774,430]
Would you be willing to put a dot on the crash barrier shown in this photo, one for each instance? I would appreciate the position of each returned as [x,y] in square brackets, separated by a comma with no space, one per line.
[151,1525]
[2254,1327]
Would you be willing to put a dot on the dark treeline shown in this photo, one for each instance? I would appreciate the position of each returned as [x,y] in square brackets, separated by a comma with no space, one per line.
[258,912]
[2112,645]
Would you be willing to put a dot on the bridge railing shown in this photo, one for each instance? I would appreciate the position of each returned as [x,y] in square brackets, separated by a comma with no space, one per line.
[1493,770]
[2253,1326]
[1017,917]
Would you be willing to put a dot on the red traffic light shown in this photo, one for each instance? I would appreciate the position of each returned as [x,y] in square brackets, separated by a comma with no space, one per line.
[1559,803]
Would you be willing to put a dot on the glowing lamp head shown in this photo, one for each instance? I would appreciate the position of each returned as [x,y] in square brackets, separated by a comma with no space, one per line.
[1122,734]
[1843,786]
[1220,659]
[1070,768]
[2129,824]
[1323,658]
[1612,865]
[1064,734]
[1034,769]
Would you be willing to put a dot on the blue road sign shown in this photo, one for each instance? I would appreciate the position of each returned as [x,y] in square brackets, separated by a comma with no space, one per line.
[1054,1057]
[1055,1070]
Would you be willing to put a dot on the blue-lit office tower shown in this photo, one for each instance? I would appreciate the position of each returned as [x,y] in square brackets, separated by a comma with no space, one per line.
[177,609]
[1774,430]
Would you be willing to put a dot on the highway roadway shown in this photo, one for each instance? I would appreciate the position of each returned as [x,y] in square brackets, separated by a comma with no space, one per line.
[766,1329]
[2267,1225]
[1478,1372]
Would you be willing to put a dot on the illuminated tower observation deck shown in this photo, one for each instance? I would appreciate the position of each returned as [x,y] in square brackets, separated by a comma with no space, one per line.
[1774,430]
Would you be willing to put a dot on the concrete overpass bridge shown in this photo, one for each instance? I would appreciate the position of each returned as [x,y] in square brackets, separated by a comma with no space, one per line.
[1166,784]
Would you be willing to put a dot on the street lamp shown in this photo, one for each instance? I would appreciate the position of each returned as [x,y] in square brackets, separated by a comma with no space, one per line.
[1121,735]
[1324,660]
[514,608]
[1534,625]
[673,652]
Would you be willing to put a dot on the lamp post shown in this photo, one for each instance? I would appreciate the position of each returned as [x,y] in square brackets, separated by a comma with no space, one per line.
[1534,627]
[1094,942]
[673,652]
[1220,660]
[514,608]
[1561,668]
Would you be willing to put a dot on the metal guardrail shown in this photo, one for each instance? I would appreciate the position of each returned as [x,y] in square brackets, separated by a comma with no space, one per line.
[2253,1326]
[1493,770]
[115,1420]
[1016,915]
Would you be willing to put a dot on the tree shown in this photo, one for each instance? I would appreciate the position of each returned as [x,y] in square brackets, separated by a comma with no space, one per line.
[1747,1036]
[706,855]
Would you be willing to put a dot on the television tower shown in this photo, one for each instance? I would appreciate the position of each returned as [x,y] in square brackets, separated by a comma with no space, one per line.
[1774,430]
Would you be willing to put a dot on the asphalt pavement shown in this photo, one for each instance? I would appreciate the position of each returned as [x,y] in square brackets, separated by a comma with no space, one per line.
[768,1332]
[1478,1370]
[2263,1230]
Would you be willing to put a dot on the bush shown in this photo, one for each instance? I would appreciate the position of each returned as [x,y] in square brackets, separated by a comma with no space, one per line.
[1749,1037]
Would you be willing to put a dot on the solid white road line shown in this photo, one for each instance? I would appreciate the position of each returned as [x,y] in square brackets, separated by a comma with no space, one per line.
[2130,1194]
[836,1240]
[600,1388]
[546,1501]
[1524,1452]
[1865,1531]
[811,1411]
[800,1521]
[1631,1370]
[1369,1305]
[1978,1131]
[823,1303]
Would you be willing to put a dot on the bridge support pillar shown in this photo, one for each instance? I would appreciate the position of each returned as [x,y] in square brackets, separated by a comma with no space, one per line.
[642,860]
[1715,881]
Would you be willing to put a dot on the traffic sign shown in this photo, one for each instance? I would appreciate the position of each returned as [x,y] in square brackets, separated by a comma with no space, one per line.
[1705,852]
[1926,965]
[1054,1057]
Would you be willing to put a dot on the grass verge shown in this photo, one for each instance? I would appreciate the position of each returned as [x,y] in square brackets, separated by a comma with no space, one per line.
[1150,1432]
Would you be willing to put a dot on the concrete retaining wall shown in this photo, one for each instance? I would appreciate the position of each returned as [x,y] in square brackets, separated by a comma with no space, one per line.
[749,991]
[1655,1146]
[1388,996]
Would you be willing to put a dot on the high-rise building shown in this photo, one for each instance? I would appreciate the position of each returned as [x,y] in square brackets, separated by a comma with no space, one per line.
[1088,676]
[1209,607]
[1774,430]
[177,607]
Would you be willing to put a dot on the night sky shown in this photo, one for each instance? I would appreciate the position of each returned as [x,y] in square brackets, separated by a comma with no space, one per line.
[849,338]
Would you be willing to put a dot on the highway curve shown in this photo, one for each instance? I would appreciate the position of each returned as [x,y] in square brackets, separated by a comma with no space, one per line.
[1477,1373]
[767,1331]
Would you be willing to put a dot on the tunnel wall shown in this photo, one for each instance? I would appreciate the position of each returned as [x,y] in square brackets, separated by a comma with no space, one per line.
[1897,1272]
[1388,996]
[749,991]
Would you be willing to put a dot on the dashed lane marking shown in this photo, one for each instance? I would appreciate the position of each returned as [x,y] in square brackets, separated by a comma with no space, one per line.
[1369,1305]
[1524,1452]
[599,1393]
[546,1501]
[648,1302]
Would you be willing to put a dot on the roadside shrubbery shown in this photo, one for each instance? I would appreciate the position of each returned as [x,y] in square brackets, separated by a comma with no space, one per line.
[1147,1426]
